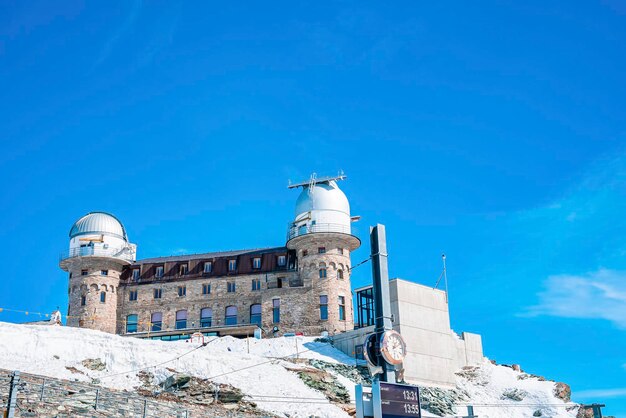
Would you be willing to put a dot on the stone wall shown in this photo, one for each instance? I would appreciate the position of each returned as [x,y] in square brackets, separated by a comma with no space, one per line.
[94,314]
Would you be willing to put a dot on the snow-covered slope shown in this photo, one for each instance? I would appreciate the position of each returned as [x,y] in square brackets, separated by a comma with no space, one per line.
[258,367]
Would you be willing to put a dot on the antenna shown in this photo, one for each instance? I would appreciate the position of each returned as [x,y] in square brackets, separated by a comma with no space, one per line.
[443,275]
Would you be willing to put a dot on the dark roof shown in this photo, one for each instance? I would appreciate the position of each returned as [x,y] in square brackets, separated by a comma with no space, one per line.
[219,254]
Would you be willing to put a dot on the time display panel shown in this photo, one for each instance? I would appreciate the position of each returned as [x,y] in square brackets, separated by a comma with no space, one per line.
[399,401]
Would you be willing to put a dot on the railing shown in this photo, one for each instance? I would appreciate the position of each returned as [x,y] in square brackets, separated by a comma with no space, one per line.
[121,253]
[46,395]
[295,231]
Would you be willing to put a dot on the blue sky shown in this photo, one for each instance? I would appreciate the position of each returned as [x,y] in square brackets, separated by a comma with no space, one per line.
[491,131]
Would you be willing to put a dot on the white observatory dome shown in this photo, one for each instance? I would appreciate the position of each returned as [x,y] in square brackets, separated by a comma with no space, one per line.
[323,197]
[99,223]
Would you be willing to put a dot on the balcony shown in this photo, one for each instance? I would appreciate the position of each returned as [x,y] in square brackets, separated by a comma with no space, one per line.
[126,253]
[296,231]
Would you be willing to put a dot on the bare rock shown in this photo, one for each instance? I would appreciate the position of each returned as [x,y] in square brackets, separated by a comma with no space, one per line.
[563,391]
[94,364]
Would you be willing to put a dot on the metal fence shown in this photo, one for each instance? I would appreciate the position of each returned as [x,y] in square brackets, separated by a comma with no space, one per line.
[125,253]
[25,394]
[295,231]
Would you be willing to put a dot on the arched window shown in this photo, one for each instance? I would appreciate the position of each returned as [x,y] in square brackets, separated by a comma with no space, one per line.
[340,274]
[131,323]
[323,273]
[103,297]
[255,314]
[156,321]
[181,319]
[231,315]
[206,317]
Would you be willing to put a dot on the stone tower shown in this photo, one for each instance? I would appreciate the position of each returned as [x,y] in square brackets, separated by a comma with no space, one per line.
[322,237]
[98,251]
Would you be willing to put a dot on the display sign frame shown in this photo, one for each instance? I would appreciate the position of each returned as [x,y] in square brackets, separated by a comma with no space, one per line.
[393,400]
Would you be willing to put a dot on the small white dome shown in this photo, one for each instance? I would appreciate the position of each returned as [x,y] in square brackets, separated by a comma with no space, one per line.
[98,223]
[323,197]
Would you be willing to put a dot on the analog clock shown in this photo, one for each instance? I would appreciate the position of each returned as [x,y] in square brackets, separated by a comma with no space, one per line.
[392,347]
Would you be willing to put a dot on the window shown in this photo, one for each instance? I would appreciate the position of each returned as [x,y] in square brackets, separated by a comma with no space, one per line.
[279,282]
[156,321]
[340,251]
[208,267]
[342,308]
[340,274]
[131,323]
[276,310]
[305,253]
[83,300]
[206,317]
[104,272]
[181,319]
[232,265]
[206,289]
[231,315]
[157,293]
[184,269]
[132,295]
[136,274]
[159,271]
[323,273]
[230,287]
[103,297]
[255,314]
[84,272]
[282,260]
[182,291]
[70,274]
[321,250]
[256,263]
[256,284]
[324,308]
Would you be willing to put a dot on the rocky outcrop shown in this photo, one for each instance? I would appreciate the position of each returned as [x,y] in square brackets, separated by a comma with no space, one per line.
[514,394]
[441,401]
[94,364]
[563,391]
[326,383]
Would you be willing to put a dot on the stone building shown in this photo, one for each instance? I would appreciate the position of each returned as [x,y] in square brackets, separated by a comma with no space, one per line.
[303,287]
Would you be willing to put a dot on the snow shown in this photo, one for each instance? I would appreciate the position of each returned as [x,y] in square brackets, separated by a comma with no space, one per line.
[254,366]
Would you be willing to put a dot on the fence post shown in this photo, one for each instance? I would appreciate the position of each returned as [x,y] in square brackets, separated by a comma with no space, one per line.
[95,407]
[43,388]
[15,379]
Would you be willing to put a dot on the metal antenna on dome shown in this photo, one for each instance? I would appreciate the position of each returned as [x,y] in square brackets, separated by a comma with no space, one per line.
[312,182]
[443,275]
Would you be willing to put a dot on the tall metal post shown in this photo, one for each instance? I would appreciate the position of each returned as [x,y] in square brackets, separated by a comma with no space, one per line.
[382,305]
[15,380]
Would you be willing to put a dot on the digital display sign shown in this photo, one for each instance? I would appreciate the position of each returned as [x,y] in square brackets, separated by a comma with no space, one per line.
[399,401]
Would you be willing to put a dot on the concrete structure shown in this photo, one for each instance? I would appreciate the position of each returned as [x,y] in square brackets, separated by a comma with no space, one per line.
[434,350]
[301,287]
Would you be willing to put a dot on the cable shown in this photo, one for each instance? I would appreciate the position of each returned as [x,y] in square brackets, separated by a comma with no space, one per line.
[162,363]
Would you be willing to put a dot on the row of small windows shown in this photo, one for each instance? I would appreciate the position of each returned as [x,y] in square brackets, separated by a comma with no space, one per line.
[208,267]
[206,317]
[231,287]
[321,250]
[86,272]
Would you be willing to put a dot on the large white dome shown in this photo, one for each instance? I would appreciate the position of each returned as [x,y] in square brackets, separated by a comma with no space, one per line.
[322,197]
[98,223]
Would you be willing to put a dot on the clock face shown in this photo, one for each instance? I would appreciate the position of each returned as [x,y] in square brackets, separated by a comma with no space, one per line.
[392,347]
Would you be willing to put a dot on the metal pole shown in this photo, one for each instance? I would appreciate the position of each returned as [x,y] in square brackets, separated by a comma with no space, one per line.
[15,379]
[470,412]
[145,407]
[95,407]
[43,388]
[382,305]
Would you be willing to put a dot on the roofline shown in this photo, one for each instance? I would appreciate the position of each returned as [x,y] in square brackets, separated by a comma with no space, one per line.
[216,254]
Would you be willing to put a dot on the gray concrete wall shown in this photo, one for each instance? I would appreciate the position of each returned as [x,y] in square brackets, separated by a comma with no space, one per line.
[434,351]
